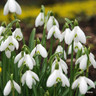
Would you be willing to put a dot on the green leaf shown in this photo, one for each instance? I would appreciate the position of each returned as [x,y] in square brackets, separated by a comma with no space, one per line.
[31,39]
[65,92]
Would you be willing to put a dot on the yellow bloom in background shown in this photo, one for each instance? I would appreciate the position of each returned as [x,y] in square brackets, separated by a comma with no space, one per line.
[0,69]
[68,9]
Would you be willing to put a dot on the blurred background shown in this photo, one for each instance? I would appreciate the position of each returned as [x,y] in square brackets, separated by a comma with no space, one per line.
[82,10]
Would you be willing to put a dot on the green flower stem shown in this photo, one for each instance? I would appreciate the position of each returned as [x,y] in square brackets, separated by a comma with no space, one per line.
[43,42]
[87,71]
[4,68]
[71,71]
[51,46]
[63,49]
[54,90]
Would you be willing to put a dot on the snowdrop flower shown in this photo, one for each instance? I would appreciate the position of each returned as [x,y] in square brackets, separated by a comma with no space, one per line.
[30,78]
[63,34]
[60,49]
[18,34]
[12,6]
[39,49]
[8,87]
[77,46]
[2,29]
[62,65]
[68,36]
[19,56]
[39,20]
[79,35]
[9,45]
[82,83]
[83,61]
[50,23]
[54,31]
[27,60]
[57,76]
[76,34]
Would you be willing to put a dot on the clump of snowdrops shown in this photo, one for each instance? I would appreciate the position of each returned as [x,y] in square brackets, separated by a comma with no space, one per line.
[35,71]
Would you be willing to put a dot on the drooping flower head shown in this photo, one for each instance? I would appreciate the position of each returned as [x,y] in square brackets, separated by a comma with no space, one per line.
[50,22]
[9,45]
[12,6]
[10,84]
[82,83]
[82,61]
[30,78]
[39,49]
[40,18]
[18,34]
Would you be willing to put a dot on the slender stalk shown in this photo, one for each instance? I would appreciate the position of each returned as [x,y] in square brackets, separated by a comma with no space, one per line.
[54,90]
[71,71]
[87,71]
[51,46]
[13,92]
[63,50]
[43,42]
[4,68]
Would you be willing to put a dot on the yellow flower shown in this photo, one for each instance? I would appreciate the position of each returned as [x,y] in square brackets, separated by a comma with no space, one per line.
[0,69]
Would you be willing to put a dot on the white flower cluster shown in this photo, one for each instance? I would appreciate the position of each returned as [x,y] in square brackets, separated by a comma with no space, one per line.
[59,67]
[9,43]
[78,37]
[74,37]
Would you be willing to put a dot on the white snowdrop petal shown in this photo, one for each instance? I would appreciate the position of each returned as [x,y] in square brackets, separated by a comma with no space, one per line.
[7,88]
[65,56]
[90,82]
[64,79]
[34,63]
[35,76]
[69,49]
[15,42]
[18,8]
[2,29]
[51,79]
[6,9]
[92,60]
[20,62]
[50,33]
[8,53]
[12,6]
[42,50]
[83,63]
[4,44]
[81,35]
[39,20]
[57,24]
[83,86]
[29,80]
[18,34]
[17,58]
[59,49]
[17,87]
[63,63]
[68,36]
[33,52]
[11,47]
[79,59]
[28,61]
[57,33]
[75,83]
[50,23]
[23,78]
